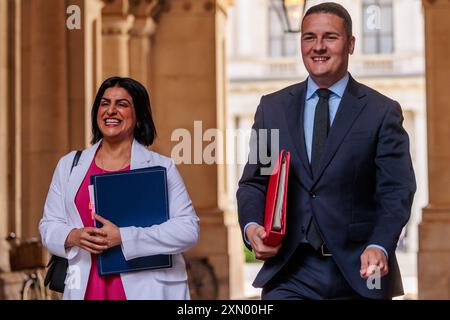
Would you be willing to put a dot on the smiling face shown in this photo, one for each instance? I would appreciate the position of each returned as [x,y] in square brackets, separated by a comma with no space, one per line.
[325,48]
[116,117]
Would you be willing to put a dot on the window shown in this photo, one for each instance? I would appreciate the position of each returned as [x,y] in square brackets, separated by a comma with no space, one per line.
[281,44]
[378,29]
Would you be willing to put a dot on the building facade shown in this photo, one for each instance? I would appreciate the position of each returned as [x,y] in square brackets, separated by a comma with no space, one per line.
[263,59]
[400,51]
[55,53]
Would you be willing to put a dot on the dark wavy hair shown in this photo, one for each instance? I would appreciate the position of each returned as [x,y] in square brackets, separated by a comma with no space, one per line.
[337,10]
[145,130]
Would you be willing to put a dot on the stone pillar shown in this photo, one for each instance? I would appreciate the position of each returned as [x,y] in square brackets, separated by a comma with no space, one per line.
[84,70]
[140,45]
[116,24]
[434,231]
[234,239]
[188,84]
[3,133]
[44,116]
[14,114]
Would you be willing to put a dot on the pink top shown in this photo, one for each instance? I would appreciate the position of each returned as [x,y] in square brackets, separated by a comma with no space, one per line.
[105,287]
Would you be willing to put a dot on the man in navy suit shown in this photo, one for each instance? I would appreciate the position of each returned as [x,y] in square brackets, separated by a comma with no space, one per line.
[351,181]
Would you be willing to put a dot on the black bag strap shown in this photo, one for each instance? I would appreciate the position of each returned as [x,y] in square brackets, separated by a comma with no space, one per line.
[75,159]
[57,266]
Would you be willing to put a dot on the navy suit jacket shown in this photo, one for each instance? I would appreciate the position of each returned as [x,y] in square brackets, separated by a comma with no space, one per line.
[363,194]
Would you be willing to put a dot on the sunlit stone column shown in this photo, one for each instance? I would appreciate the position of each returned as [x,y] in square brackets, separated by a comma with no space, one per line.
[140,45]
[188,84]
[116,25]
[434,231]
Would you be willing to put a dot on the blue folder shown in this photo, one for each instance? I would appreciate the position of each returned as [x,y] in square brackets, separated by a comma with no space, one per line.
[131,198]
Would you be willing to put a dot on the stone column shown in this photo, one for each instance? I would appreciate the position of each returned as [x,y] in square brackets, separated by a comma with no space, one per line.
[84,70]
[434,231]
[187,85]
[44,114]
[14,120]
[116,24]
[3,133]
[140,45]
[234,244]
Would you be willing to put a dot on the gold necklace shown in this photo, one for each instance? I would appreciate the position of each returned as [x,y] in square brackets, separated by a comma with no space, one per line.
[121,167]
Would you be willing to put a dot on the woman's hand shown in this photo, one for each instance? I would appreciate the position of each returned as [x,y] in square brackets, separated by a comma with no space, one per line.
[111,230]
[90,239]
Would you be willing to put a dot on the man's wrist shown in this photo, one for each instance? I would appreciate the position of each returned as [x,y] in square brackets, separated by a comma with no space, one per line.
[246,235]
[380,248]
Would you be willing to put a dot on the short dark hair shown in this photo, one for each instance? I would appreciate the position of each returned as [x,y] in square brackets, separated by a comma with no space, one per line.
[337,10]
[145,130]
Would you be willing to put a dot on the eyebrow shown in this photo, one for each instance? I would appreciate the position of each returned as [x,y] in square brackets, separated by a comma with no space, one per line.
[118,100]
[325,34]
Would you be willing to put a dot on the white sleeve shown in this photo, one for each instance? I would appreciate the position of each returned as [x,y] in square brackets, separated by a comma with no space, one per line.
[53,226]
[176,235]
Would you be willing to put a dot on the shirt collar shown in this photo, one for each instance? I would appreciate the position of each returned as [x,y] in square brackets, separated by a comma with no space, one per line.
[337,88]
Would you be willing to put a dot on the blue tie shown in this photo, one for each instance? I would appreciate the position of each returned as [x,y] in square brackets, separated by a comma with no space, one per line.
[321,128]
[320,134]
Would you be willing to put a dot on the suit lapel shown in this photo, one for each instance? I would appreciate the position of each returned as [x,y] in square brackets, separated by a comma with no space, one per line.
[352,103]
[294,119]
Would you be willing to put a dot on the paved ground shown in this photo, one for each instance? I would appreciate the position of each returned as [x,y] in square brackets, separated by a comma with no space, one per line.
[408,268]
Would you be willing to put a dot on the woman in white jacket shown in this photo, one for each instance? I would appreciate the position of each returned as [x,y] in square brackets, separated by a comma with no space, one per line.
[122,127]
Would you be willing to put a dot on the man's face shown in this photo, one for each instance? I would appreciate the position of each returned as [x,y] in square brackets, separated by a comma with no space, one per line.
[325,48]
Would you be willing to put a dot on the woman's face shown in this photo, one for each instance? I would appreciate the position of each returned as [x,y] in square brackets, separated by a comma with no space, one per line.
[116,117]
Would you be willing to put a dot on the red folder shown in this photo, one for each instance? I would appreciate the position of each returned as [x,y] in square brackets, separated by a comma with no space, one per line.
[276,197]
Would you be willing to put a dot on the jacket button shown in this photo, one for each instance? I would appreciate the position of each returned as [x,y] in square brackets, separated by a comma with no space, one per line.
[313,195]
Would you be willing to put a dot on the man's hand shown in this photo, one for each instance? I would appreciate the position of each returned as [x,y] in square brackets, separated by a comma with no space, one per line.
[371,260]
[255,235]
[111,230]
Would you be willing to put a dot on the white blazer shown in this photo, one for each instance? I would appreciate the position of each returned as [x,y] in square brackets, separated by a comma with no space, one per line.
[175,236]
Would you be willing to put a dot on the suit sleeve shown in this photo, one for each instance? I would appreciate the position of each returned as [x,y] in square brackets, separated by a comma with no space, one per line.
[395,181]
[251,194]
